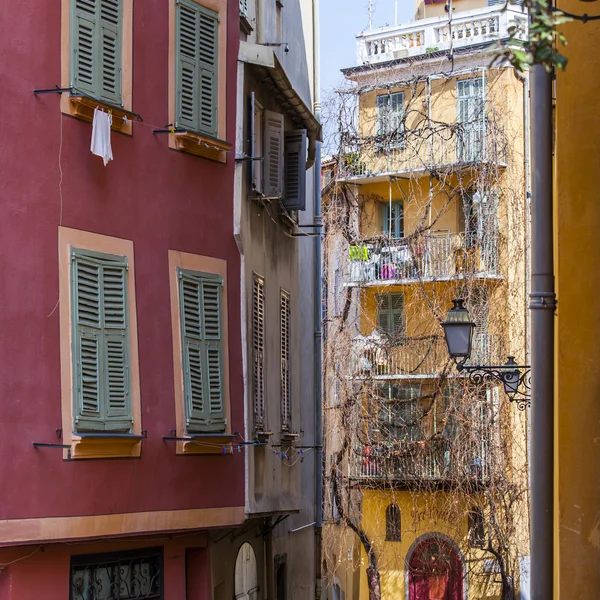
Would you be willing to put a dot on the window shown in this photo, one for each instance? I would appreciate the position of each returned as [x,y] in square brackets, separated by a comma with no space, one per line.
[393,219]
[197,68]
[400,413]
[286,392]
[390,119]
[476,527]
[393,530]
[197,77]
[390,314]
[100,378]
[101,368]
[97,61]
[284,156]
[202,350]
[124,575]
[258,350]
[471,117]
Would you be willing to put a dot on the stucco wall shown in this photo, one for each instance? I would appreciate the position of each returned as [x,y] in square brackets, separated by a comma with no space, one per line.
[156,197]
[577,217]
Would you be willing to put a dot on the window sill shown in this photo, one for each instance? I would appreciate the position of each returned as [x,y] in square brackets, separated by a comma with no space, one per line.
[82,108]
[200,145]
[105,445]
[205,443]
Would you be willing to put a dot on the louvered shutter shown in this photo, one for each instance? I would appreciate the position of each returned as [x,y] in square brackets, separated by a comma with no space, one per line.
[294,197]
[396,301]
[111,21]
[285,332]
[383,313]
[273,154]
[202,351]
[258,349]
[116,367]
[211,305]
[197,67]
[84,47]
[100,342]
[96,63]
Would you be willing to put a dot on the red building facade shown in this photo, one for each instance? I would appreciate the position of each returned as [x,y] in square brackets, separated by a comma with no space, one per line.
[119,300]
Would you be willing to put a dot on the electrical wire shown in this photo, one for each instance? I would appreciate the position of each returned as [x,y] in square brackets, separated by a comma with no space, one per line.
[12,562]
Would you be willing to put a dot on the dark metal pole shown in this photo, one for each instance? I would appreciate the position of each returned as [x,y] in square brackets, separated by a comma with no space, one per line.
[542,304]
[318,314]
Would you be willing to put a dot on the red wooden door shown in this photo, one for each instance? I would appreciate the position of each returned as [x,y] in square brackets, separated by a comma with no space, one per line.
[435,572]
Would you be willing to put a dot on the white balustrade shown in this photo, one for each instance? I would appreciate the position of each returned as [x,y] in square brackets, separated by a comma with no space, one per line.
[467,28]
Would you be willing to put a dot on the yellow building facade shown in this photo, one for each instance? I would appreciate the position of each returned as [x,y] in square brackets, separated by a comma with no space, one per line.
[577,370]
[426,470]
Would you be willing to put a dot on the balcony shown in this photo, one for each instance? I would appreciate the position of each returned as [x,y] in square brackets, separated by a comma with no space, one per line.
[444,148]
[435,460]
[433,257]
[470,28]
[376,357]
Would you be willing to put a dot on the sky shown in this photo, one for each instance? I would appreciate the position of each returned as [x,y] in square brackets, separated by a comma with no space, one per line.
[341,20]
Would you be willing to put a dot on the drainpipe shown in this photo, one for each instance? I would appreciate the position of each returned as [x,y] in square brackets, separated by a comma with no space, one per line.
[542,305]
[318,311]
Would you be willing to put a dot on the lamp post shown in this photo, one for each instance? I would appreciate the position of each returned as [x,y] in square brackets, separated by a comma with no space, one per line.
[515,379]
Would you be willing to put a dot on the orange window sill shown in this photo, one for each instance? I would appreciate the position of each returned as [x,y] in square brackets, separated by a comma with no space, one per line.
[200,145]
[105,447]
[83,108]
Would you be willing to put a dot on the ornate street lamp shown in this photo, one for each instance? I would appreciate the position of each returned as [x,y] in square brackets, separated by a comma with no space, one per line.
[458,330]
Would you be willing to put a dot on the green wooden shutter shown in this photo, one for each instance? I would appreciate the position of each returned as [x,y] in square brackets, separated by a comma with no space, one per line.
[84,47]
[111,33]
[208,59]
[396,301]
[383,313]
[96,61]
[197,68]
[102,399]
[118,414]
[390,313]
[212,315]
[202,351]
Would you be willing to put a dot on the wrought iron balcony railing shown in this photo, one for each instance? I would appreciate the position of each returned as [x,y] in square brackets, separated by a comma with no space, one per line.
[445,147]
[435,460]
[380,357]
[432,257]
[470,28]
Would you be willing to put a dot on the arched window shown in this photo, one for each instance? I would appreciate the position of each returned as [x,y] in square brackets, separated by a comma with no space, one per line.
[393,531]
[476,527]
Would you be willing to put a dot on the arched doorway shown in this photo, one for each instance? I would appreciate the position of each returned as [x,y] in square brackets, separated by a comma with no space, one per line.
[246,576]
[435,571]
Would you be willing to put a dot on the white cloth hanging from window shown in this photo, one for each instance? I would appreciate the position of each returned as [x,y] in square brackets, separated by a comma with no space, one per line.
[101,135]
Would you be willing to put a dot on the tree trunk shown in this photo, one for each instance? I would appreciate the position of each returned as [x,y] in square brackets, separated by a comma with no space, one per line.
[374,584]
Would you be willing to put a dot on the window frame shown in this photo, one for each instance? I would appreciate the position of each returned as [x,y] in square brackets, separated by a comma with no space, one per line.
[398,221]
[210,266]
[82,106]
[85,444]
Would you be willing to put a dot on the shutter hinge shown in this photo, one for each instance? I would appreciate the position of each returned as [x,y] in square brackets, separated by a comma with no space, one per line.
[225,421]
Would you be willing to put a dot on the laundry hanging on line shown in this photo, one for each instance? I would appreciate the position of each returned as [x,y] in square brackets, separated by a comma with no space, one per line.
[101,135]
